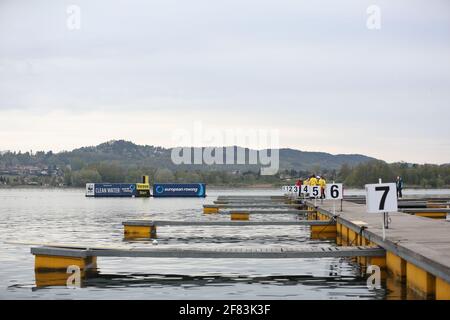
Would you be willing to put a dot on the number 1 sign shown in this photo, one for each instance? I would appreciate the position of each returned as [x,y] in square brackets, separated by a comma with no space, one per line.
[381,197]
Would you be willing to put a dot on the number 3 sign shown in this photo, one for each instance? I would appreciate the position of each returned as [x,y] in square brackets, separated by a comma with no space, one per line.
[381,197]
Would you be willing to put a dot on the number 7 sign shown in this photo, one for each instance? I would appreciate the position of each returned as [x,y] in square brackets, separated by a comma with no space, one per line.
[381,197]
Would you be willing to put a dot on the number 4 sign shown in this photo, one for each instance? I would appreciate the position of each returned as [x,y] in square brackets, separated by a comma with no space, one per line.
[304,189]
[381,197]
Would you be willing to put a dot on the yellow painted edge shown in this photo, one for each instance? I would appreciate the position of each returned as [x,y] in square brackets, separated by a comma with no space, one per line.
[209,210]
[45,262]
[323,235]
[137,231]
[433,215]
[240,216]
[396,265]
[352,237]
[419,280]
[377,261]
[324,229]
[442,289]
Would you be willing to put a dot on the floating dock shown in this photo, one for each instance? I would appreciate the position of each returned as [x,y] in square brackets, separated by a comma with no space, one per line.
[256,205]
[224,223]
[417,248]
[144,229]
[281,252]
[280,208]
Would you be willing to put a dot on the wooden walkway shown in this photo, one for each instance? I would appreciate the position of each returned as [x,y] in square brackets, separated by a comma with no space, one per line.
[262,212]
[152,223]
[423,210]
[255,205]
[281,252]
[421,241]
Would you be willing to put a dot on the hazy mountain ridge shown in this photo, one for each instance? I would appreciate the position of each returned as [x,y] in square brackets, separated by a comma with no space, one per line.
[118,161]
[127,153]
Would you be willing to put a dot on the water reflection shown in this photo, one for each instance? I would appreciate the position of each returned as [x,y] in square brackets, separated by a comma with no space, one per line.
[66,216]
[334,282]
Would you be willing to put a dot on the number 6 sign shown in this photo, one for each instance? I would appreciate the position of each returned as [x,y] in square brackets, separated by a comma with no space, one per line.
[381,197]
[334,191]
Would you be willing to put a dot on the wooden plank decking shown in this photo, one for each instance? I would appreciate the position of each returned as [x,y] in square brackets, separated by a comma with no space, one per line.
[422,241]
[225,223]
[281,252]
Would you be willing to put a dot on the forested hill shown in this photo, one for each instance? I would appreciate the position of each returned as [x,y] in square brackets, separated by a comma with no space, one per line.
[127,154]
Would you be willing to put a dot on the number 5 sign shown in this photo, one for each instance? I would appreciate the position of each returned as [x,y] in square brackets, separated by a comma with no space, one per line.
[314,191]
[381,197]
[334,191]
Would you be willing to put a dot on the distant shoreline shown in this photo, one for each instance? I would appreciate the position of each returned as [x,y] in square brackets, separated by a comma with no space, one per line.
[209,186]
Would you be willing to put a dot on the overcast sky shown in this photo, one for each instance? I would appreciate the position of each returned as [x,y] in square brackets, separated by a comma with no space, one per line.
[138,70]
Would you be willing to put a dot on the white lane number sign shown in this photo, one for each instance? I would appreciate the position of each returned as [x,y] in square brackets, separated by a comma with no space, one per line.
[314,191]
[334,191]
[381,198]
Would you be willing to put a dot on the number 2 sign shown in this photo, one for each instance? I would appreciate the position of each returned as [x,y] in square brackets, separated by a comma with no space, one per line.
[290,189]
[381,197]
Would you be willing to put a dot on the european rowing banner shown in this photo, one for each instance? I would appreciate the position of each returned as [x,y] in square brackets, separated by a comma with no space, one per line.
[179,190]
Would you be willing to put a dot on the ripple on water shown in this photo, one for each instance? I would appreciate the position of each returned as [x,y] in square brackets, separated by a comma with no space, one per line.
[66,216]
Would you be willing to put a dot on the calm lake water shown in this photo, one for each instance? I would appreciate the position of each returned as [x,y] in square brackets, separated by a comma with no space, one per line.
[66,216]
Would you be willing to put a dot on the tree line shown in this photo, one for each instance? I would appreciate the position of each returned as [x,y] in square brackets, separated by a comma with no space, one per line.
[79,173]
[413,175]
[113,173]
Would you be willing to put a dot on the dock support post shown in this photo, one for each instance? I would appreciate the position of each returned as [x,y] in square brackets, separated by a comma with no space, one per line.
[210,209]
[344,235]
[396,266]
[43,263]
[338,234]
[433,215]
[420,281]
[240,215]
[139,231]
[324,232]
[54,266]
[312,213]
[442,289]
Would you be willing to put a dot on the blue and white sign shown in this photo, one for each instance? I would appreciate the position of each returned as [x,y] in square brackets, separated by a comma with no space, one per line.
[179,190]
[110,189]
